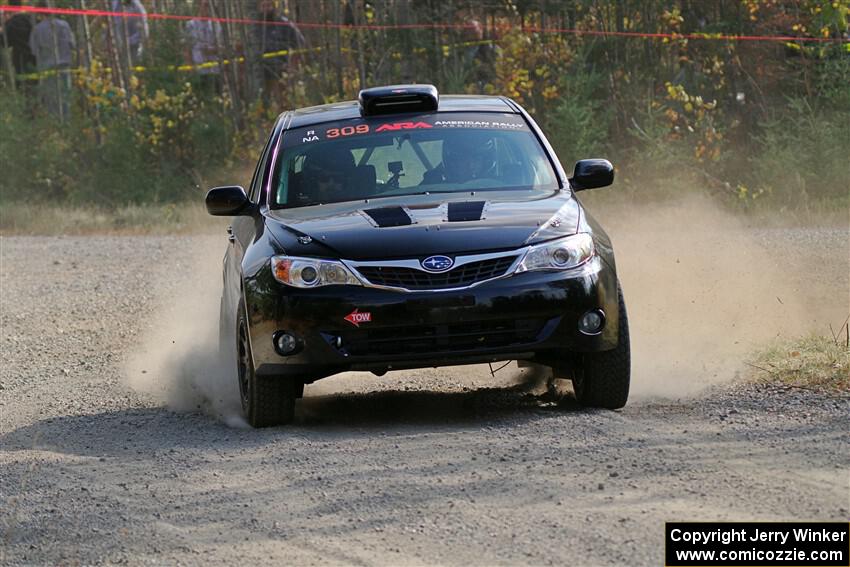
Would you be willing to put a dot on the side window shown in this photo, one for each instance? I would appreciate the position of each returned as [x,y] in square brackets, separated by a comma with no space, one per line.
[287,175]
[257,180]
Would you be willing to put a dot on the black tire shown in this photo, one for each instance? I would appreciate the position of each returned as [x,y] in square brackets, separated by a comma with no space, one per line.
[601,379]
[266,400]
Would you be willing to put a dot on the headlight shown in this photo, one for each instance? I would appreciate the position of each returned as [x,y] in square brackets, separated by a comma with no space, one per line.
[311,272]
[562,254]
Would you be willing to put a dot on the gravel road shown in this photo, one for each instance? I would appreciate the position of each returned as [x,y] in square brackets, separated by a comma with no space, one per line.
[447,466]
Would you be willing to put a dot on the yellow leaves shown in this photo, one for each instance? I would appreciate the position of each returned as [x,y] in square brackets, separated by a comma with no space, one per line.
[550,92]
[690,117]
[160,97]
[746,194]
[672,18]
[529,68]
[676,92]
[160,121]
[699,151]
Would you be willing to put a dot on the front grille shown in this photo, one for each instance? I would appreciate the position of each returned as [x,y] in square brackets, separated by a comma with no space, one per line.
[426,339]
[413,279]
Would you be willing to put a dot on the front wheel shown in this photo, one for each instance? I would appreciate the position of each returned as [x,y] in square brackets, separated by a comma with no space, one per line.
[266,400]
[601,379]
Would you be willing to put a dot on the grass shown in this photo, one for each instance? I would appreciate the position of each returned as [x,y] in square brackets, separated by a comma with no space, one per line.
[819,362]
[40,219]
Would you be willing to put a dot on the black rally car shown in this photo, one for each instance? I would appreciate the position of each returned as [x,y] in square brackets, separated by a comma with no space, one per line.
[408,230]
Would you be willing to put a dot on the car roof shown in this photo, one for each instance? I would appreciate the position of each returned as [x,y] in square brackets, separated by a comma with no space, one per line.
[351,109]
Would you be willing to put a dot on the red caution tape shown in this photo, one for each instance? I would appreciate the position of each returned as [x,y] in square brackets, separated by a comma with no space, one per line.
[317,25]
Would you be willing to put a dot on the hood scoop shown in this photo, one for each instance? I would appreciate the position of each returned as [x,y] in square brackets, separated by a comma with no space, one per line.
[466,211]
[385,217]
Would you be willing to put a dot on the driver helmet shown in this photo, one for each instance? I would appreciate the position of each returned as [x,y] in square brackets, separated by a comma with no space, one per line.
[469,155]
[326,170]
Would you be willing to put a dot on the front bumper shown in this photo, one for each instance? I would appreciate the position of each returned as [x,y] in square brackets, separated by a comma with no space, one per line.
[527,316]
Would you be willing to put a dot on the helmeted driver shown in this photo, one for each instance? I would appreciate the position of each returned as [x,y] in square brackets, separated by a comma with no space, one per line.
[325,173]
[466,156]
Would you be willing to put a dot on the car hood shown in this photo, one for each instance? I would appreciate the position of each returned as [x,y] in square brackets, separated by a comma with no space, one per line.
[421,225]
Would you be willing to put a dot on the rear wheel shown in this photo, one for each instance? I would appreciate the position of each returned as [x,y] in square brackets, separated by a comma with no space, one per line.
[266,400]
[601,379]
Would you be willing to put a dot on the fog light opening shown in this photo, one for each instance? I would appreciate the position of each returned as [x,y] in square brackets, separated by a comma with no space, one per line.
[285,344]
[592,322]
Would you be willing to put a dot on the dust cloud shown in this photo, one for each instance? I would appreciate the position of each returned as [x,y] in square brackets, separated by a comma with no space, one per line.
[702,292]
[178,362]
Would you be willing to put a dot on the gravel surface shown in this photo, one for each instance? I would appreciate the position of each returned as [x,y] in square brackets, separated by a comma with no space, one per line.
[447,466]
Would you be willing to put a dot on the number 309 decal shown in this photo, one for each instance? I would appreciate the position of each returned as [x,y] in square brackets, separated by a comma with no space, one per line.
[347,131]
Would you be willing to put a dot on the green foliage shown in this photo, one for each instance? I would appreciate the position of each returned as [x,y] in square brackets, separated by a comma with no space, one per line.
[579,124]
[804,152]
[833,82]
[150,148]
[33,154]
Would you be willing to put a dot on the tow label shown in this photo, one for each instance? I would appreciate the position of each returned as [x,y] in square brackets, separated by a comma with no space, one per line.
[356,317]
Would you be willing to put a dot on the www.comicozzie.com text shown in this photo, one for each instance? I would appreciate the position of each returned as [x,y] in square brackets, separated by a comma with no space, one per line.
[726,536]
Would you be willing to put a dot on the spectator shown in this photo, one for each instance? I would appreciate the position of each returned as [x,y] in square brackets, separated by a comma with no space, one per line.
[273,37]
[17,36]
[53,45]
[478,54]
[130,32]
[203,38]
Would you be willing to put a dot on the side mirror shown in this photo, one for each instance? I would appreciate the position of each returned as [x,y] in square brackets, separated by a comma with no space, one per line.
[592,173]
[228,202]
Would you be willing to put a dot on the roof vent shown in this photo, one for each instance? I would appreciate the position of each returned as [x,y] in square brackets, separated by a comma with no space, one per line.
[397,99]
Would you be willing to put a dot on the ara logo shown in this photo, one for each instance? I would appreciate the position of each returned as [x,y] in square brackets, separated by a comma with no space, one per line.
[402,126]
[310,136]
[356,317]
[437,263]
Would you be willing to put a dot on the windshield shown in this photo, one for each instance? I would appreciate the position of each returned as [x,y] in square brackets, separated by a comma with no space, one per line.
[391,156]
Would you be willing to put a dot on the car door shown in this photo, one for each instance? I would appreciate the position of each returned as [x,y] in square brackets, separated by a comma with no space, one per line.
[244,230]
